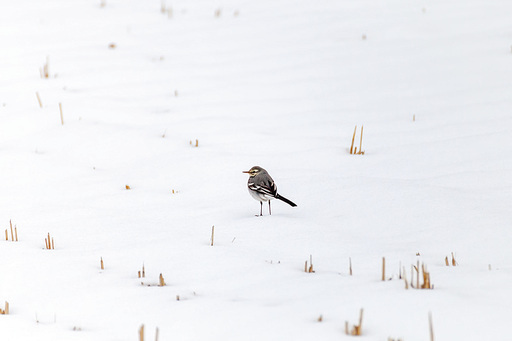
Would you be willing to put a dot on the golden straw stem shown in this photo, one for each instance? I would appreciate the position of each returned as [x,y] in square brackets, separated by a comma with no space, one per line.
[412,276]
[360,319]
[61,115]
[141,333]
[383,268]
[431,326]
[353,138]
[405,280]
[39,100]
[361,141]
[418,275]
[213,232]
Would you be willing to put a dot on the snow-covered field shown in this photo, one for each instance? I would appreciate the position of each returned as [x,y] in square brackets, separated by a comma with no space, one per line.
[280,84]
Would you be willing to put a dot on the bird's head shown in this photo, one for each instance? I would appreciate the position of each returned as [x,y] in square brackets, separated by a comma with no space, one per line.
[254,171]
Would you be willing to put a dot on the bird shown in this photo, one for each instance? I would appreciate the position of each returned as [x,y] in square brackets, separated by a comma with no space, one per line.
[263,188]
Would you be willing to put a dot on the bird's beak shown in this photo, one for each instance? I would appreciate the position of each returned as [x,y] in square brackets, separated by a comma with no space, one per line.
[245,171]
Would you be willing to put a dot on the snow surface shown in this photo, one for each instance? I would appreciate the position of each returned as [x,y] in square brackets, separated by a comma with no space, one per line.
[280,84]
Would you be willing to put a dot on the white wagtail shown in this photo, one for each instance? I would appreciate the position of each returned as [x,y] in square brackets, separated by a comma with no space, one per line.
[262,188]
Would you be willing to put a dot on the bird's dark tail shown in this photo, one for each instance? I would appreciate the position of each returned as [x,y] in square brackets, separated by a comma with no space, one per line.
[289,202]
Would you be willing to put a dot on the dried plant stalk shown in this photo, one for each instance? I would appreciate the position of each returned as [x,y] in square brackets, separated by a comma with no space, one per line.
[45,70]
[350,266]
[310,268]
[49,243]
[418,275]
[213,232]
[12,235]
[161,281]
[361,142]
[356,329]
[426,278]
[383,268]
[39,100]
[141,333]
[353,138]
[360,318]
[5,311]
[412,276]
[61,115]
[431,326]
[101,263]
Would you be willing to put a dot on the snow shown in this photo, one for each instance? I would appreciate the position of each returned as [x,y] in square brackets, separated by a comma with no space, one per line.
[279,84]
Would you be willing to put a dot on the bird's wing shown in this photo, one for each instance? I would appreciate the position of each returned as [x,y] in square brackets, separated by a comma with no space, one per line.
[267,188]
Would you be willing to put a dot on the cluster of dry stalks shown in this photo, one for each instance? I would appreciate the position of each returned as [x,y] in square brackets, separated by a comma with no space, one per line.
[454,262]
[49,244]
[141,333]
[142,274]
[415,270]
[356,329]
[309,268]
[5,311]
[45,70]
[354,150]
[14,235]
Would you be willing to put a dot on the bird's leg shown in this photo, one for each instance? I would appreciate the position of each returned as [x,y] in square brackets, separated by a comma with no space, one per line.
[269,211]
[261,208]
